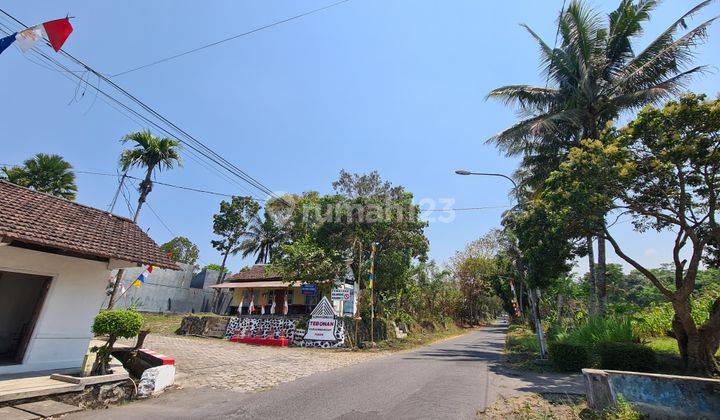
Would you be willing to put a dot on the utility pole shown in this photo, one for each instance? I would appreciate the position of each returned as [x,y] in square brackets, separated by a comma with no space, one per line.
[118,277]
[371,280]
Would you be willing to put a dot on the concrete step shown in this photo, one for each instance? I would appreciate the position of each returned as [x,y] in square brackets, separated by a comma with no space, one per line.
[16,389]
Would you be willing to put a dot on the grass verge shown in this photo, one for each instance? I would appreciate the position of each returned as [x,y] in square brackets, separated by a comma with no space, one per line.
[554,406]
[522,350]
[420,339]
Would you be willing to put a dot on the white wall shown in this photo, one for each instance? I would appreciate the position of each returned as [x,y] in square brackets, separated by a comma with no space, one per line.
[62,333]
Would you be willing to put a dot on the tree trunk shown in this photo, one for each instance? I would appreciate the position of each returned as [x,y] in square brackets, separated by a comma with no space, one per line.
[592,304]
[216,304]
[697,350]
[559,306]
[145,188]
[600,279]
[520,298]
[534,296]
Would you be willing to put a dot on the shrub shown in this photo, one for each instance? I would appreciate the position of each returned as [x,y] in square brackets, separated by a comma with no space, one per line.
[654,321]
[600,330]
[569,357]
[627,356]
[118,323]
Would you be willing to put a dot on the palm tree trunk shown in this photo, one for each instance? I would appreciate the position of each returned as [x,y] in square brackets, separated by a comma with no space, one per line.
[145,188]
[600,279]
[592,304]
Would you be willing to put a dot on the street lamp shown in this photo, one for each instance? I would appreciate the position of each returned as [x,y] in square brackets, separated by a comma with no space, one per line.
[533,294]
[464,172]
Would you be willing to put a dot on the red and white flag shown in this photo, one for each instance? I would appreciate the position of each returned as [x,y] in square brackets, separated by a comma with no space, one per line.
[55,31]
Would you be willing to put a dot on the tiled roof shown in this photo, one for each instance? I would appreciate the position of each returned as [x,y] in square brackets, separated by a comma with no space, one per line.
[40,219]
[255,273]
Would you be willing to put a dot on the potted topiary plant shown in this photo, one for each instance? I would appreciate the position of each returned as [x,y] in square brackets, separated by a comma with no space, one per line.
[117,323]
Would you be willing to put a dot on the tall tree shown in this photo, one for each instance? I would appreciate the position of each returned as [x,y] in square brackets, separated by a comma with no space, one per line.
[230,223]
[593,76]
[181,249]
[263,238]
[45,173]
[149,153]
[663,169]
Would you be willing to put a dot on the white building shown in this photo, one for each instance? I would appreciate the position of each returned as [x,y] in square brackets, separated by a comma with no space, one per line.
[56,258]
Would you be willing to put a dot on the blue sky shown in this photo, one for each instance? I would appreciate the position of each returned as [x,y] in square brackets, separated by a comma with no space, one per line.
[395,86]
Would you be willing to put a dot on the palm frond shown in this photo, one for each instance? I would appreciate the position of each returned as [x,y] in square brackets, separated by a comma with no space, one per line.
[624,24]
[665,56]
[525,96]
[663,90]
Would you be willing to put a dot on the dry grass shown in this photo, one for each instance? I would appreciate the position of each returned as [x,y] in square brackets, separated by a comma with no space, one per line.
[554,406]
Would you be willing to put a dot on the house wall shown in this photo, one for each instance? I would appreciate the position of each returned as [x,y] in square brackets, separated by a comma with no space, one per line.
[62,333]
[170,291]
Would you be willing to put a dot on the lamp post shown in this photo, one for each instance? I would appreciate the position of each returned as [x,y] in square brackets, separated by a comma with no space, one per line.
[534,294]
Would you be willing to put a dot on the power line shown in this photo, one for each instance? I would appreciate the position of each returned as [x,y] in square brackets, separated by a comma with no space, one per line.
[212,44]
[189,141]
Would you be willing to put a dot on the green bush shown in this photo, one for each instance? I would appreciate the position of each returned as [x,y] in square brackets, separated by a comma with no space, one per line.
[655,321]
[125,323]
[627,356]
[569,357]
[600,330]
[118,323]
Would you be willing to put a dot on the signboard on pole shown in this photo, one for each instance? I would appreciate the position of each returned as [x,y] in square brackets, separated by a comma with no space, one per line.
[344,295]
[308,289]
[323,328]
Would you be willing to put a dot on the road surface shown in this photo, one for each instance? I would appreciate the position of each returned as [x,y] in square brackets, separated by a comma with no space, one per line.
[452,379]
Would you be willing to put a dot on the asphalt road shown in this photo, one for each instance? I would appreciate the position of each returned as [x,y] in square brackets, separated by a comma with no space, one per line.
[453,379]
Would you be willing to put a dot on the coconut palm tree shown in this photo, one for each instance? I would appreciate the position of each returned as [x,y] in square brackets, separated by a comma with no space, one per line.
[593,76]
[150,153]
[49,174]
[264,236]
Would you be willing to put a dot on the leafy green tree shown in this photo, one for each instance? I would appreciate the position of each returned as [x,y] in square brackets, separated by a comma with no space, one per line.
[182,250]
[149,153]
[45,173]
[216,267]
[304,261]
[663,169]
[593,76]
[231,225]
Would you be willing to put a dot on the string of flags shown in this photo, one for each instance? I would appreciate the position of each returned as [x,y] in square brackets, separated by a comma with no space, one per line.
[143,276]
[55,31]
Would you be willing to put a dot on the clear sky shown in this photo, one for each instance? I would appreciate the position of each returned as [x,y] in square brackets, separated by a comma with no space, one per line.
[396,86]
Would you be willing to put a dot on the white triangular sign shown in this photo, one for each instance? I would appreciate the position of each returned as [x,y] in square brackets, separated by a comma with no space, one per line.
[324,309]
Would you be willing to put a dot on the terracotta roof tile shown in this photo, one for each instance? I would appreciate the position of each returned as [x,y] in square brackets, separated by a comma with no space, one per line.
[255,273]
[41,219]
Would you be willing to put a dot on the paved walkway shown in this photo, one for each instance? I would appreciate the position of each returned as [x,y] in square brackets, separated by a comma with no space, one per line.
[214,363]
[453,379]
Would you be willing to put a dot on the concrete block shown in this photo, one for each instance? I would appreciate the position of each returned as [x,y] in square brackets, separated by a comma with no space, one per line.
[155,380]
[655,395]
[48,408]
[9,413]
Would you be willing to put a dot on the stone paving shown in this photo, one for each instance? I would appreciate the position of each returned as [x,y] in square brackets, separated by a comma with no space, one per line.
[211,362]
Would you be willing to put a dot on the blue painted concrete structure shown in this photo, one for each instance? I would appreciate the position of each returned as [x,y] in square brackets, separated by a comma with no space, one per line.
[657,396]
